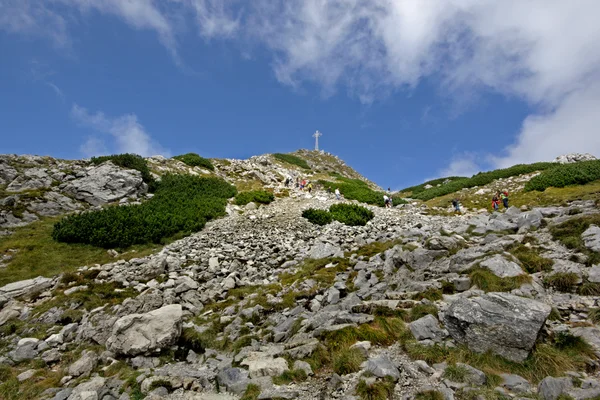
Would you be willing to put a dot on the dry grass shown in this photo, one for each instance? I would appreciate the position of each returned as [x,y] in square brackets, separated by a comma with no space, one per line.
[38,254]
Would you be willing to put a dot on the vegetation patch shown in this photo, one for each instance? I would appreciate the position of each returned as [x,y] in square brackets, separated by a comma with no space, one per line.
[194,160]
[349,214]
[594,315]
[569,234]
[561,354]
[589,289]
[130,161]
[38,254]
[431,294]
[531,259]
[481,179]
[562,281]
[421,310]
[355,189]
[181,205]
[378,390]
[292,159]
[565,175]
[429,395]
[456,373]
[255,196]
[252,392]
[485,280]
[412,190]
[317,216]
[289,376]
[347,361]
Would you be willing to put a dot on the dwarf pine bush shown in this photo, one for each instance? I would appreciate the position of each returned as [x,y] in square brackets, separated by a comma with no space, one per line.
[182,204]
[292,159]
[256,196]
[349,214]
[194,160]
[565,175]
[317,217]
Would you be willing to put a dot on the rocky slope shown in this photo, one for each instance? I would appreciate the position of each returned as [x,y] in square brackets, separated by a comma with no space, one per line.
[265,305]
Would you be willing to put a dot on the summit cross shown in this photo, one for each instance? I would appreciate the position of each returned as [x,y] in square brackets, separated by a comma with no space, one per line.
[317,135]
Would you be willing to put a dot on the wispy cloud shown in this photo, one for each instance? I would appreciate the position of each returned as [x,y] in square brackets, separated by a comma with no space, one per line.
[56,90]
[543,52]
[126,133]
[465,164]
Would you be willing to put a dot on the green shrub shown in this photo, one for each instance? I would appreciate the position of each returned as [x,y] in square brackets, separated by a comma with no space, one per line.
[292,159]
[256,196]
[194,160]
[565,175]
[562,281]
[182,204]
[482,178]
[531,260]
[355,189]
[351,214]
[318,217]
[131,161]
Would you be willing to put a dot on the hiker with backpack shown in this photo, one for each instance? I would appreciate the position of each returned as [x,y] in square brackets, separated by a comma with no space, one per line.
[337,194]
[456,204]
[504,197]
[386,201]
[496,201]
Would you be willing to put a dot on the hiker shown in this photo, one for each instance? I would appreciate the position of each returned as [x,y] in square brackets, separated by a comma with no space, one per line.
[386,201]
[303,184]
[456,204]
[309,187]
[328,189]
[288,180]
[337,194]
[495,202]
[504,197]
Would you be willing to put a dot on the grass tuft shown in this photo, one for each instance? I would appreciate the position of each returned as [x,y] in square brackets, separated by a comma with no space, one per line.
[562,281]
[252,392]
[485,280]
[292,375]
[379,390]
[421,310]
[531,260]
[456,373]
[429,395]
[594,315]
[347,361]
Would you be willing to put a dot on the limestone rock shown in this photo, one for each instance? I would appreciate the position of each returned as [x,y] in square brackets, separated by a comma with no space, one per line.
[591,238]
[26,287]
[551,388]
[143,333]
[106,183]
[427,327]
[502,267]
[235,380]
[381,367]
[506,324]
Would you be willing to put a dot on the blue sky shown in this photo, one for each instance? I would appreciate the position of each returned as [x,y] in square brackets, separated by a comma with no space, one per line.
[402,90]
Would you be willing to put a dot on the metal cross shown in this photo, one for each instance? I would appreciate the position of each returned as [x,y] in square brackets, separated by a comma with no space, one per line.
[317,135]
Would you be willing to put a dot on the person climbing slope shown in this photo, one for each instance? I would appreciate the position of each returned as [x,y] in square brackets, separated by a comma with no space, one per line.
[495,202]
[504,197]
[337,194]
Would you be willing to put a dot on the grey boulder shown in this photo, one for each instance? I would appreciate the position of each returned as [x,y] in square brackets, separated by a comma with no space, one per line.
[591,238]
[503,323]
[26,287]
[145,333]
[427,327]
[502,267]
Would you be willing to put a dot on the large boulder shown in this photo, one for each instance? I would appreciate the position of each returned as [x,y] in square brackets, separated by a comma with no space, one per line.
[324,250]
[502,267]
[427,327]
[27,287]
[503,323]
[591,238]
[106,183]
[146,333]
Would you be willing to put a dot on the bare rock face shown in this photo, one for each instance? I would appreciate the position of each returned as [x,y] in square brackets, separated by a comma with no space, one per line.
[106,183]
[137,334]
[574,157]
[506,324]
[26,287]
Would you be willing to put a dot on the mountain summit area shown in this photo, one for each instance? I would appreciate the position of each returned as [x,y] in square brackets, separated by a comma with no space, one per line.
[291,276]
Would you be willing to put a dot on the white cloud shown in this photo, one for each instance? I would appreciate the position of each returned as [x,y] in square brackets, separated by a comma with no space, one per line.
[461,165]
[127,133]
[544,52]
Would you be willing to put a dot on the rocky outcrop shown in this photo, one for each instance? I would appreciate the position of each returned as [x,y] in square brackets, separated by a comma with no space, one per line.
[106,183]
[574,157]
[505,324]
[137,334]
[25,288]
[591,238]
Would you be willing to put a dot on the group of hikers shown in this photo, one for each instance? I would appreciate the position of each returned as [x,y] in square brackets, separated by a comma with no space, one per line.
[496,199]
[303,184]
